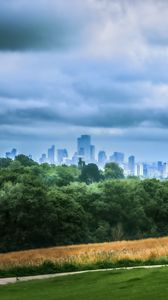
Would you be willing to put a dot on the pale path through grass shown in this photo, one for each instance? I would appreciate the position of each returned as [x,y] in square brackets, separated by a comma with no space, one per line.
[141,284]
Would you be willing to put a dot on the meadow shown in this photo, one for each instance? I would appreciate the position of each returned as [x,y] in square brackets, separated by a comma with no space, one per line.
[78,257]
[141,284]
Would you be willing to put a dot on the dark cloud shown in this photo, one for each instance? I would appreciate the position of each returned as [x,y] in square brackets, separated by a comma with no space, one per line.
[105,117]
[35,26]
[28,116]
[111,117]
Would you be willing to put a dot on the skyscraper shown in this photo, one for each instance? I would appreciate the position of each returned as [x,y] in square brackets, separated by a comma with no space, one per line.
[139,170]
[165,170]
[51,155]
[102,158]
[62,154]
[160,168]
[92,153]
[131,165]
[43,159]
[84,147]
[117,157]
[75,159]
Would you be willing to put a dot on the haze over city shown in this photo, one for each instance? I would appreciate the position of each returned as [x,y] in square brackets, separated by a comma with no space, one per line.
[75,67]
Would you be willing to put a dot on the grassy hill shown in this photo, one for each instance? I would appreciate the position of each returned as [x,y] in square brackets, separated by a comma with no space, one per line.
[148,284]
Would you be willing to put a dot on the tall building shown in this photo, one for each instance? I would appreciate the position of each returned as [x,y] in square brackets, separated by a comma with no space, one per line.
[92,153]
[160,168]
[43,159]
[117,157]
[51,155]
[62,154]
[11,154]
[75,159]
[146,170]
[84,147]
[131,165]
[102,158]
[165,170]
[139,170]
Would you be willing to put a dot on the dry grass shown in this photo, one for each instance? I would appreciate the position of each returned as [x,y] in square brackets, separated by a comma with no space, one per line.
[132,250]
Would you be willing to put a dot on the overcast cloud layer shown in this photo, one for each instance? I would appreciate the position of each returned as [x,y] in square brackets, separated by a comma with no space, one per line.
[93,66]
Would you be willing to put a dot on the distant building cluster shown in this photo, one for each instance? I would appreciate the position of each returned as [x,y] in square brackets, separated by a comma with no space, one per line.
[86,152]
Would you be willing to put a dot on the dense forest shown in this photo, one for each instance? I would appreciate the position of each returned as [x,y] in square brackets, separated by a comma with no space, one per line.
[47,205]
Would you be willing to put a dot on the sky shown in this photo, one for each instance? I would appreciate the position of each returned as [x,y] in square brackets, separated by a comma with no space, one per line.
[75,67]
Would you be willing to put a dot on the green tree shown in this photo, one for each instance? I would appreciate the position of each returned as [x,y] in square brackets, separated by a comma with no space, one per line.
[90,173]
[113,171]
[25,160]
[5,162]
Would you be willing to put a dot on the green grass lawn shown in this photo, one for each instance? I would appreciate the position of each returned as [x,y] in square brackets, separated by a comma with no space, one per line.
[150,284]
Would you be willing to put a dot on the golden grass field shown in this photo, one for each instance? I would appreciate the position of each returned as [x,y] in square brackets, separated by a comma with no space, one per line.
[91,253]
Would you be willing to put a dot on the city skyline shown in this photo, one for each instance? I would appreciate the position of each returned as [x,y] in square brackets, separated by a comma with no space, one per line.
[85,153]
[97,67]
[53,153]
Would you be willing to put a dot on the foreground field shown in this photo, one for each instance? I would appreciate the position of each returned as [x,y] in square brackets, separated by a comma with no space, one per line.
[139,284]
[142,250]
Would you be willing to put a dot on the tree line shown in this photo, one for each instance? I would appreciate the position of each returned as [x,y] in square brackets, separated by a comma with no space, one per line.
[47,205]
